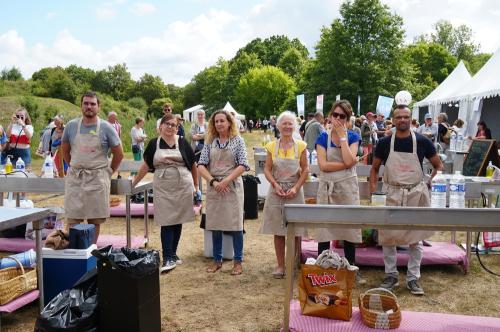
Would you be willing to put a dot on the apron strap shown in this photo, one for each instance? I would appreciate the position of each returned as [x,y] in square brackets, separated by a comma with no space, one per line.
[295,148]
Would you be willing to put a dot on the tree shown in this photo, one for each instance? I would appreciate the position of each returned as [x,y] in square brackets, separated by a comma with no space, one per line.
[12,74]
[150,87]
[359,54]
[54,82]
[431,60]
[477,62]
[264,91]
[192,94]
[214,88]
[81,76]
[115,81]
[238,67]
[292,62]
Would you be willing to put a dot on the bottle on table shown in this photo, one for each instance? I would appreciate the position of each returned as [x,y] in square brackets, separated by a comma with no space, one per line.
[438,191]
[8,165]
[48,167]
[490,170]
[457,191]
[20,165]
[453,141]
[460,143]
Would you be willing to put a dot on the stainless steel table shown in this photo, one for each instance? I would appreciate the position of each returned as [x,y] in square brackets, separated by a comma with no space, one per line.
[385,217]
[12,217]
[56,185]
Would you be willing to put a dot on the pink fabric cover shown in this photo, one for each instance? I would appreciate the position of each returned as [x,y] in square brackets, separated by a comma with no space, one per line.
[20,301]
[411,322]
[438,253]
[21,245]
[137,210]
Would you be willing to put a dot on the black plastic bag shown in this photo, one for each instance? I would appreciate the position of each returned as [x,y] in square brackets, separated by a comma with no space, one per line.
[136,262]
[72,310]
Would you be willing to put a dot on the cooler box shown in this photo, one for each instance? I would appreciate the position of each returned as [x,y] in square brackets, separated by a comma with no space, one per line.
[227,245]
[63,268]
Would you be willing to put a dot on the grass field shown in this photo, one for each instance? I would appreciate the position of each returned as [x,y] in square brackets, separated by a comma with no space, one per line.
[192,300]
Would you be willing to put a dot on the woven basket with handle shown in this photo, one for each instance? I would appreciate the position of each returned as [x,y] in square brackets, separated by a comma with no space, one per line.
[16,281]
[375,305]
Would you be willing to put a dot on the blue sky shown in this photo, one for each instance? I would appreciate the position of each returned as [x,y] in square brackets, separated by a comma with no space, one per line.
[176,39]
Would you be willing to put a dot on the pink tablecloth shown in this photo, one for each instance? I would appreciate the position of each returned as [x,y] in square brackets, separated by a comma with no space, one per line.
[411,322]
[438,253]
[20,301]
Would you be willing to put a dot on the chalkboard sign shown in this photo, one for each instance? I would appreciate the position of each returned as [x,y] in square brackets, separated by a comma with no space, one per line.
[478,157]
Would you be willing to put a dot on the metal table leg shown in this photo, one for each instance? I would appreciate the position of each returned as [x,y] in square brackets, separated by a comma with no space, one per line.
[146,217]
[468,243]
[37,226]
[129,226]
[290,256]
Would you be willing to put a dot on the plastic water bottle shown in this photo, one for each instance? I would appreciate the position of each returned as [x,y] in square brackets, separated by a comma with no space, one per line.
[20,165]
[48,167]
[460,143]
[314,158]
[457,191]
[453,141]
[438,191]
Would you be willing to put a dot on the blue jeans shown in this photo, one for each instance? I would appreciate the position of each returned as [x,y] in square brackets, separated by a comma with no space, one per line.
[237,245]
[170,236]
[25,154]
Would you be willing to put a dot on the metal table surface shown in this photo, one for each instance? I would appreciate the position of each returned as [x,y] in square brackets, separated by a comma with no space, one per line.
[56,185]
[386,217]
[11,217]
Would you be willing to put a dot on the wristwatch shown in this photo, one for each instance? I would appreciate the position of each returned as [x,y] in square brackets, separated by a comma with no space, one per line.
[212,182]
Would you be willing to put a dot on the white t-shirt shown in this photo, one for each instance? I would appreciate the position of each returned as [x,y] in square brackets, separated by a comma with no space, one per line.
[16,134]
[136,133]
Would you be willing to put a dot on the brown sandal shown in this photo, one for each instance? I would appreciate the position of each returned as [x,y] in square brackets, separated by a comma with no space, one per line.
[237,269]
[214,267]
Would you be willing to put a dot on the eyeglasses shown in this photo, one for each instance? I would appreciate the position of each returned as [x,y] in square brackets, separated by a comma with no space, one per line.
[167,109]
[170,125]
[339,115]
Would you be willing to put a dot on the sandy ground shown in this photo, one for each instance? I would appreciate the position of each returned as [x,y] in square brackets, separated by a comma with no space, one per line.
[193,300]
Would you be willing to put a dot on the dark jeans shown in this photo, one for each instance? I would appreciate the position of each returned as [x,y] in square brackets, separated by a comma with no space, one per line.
[170,236]
[25,154]
[349,250]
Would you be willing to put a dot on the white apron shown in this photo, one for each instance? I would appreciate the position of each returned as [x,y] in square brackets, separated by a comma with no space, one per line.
[337,188]
[224,212]
[286,172]
[88,182]
[404,185]
[172,187]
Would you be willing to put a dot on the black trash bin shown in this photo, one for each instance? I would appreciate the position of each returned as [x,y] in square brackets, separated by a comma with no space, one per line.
[251,204]
[129,290]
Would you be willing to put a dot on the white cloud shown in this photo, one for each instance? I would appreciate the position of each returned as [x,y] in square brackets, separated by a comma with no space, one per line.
[143,8]
[51,15]
[105,12]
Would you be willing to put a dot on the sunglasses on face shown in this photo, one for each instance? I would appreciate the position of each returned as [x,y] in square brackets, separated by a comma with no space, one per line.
[19,116]
[339,115]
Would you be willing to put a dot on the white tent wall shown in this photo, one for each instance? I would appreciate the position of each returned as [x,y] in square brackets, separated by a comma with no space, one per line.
[190,113]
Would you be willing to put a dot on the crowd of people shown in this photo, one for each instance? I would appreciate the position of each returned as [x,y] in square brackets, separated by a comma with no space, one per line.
[92,149]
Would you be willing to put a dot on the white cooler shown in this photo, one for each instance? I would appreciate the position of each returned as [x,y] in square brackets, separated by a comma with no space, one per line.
[227,245]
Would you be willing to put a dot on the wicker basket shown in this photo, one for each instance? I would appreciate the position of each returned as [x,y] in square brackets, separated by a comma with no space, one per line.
[373,307]
[16,281]
[114,201]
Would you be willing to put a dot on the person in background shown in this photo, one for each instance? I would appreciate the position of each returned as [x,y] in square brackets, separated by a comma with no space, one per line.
[369,137]
[171,159]
[86,142]
[222,162]
[458,127]
[239,124]
[302,129]
[198,132]
[429,129]
[3,139]
[338,183]
[138,137]
[313,129]
[286,169]
[403,153]
[381,125]
[414,125]
[483,132]
[166,109]
[250,125]
[51,140]
[113,120]
[19,132]
[265,123]
[443,127]
[180,130]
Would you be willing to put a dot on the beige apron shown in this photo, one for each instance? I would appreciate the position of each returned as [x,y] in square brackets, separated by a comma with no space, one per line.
[224,212]
[286,172]
[403,183]
[338,188]
[172,186]
[89,178]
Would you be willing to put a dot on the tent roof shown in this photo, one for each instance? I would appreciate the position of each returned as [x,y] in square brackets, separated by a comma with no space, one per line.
[485,84]
[194,108]
[229,108]
[457,78]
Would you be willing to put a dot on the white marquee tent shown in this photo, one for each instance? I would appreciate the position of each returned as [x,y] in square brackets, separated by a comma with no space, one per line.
[480,97]
[190,113]
[229,108]
[457,78]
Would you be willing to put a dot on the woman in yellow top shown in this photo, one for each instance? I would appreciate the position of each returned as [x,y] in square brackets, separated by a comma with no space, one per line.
[286,170]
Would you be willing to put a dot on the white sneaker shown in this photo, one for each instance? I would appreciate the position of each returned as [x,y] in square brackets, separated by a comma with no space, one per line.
[167,266]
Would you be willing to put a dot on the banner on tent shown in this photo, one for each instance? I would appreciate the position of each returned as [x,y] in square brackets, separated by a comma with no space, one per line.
[300,104]
[319,103]
[384,105]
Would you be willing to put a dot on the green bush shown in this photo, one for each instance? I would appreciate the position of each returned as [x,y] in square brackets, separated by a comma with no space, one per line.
[31,106]
[155,111]
[137,102]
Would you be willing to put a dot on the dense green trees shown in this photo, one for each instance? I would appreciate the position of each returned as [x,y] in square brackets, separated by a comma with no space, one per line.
[12,74]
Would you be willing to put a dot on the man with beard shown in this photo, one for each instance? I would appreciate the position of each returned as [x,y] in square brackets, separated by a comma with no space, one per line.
[402,153]
[85,145]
